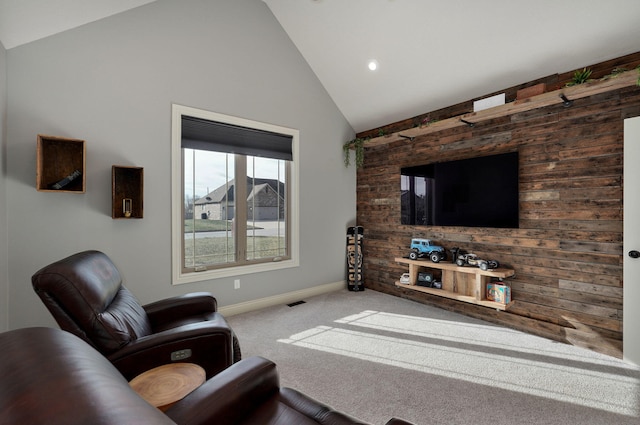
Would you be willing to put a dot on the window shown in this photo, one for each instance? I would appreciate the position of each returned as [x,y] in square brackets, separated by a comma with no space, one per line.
[234,196]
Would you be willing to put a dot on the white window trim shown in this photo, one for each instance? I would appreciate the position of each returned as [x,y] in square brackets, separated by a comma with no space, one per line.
[177,203]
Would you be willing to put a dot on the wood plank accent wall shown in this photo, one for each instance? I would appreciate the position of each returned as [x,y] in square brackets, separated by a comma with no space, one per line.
[567,253]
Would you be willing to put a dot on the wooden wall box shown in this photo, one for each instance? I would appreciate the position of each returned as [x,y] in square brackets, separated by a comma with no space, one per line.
[127,183]
[60,164]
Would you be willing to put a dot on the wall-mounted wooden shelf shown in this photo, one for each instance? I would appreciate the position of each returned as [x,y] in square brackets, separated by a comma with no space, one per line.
[625,79]
[468,284]
[127,183]
[60,164]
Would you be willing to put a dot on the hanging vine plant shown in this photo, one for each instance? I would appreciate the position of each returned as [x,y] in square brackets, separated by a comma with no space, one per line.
[358,145]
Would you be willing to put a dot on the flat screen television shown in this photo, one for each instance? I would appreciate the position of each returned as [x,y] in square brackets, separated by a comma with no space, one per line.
[475,192]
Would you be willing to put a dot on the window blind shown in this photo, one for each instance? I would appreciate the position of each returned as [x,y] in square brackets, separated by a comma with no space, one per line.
[202,134]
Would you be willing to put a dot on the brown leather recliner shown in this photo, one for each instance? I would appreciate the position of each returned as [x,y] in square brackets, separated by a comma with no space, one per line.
[85,295]
[52,377]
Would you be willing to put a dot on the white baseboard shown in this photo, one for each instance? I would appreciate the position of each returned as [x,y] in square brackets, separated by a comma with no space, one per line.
[289,297]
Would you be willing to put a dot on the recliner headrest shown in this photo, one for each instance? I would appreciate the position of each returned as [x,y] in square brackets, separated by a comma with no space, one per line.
[84,293]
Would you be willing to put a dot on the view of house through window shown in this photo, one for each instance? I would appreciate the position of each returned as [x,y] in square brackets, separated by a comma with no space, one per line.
[236,192]
[212,212]
[209,212]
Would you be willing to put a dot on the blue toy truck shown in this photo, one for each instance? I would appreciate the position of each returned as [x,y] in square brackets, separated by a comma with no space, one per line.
[426,248]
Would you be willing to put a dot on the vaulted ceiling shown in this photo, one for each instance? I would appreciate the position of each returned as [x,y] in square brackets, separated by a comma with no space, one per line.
[430,53]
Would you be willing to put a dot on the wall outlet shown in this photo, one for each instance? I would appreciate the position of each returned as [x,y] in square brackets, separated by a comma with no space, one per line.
[236,284]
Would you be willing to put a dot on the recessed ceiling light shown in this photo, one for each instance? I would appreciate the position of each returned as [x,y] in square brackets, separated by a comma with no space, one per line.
[373,65]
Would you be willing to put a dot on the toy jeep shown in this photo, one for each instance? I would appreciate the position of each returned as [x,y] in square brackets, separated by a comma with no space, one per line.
[426,248]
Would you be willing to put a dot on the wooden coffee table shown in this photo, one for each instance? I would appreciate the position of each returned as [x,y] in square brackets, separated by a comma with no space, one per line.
[164,385]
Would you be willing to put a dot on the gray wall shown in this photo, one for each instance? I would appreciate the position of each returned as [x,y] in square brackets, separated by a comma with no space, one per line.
[112,83]
[4,284]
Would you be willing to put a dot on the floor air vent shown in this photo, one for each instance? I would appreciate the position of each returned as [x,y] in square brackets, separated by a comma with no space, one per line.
[296,303]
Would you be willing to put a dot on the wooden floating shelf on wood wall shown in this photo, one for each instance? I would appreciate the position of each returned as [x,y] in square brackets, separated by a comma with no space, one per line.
[625,79]
[468,284]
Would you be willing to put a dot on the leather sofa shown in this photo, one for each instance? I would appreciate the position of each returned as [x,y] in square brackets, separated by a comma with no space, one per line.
[50,376]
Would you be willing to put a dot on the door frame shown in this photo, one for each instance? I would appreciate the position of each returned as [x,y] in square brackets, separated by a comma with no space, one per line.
[631,241]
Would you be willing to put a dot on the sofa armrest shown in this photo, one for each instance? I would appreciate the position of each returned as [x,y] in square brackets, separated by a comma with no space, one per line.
[193,304]
[230,395]
[210,344]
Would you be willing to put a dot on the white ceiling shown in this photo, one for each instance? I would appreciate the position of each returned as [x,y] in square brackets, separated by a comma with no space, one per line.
[432,53]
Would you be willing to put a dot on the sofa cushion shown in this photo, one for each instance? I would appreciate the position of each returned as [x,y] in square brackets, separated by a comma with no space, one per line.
[274,412]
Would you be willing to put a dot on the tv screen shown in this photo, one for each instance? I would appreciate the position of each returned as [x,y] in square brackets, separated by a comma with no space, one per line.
[475,192]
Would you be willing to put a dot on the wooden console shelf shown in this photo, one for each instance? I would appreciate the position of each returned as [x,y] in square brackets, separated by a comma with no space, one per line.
[468,284]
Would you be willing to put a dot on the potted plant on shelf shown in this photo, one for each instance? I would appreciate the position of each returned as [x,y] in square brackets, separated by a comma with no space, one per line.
[579,77]
[357,145]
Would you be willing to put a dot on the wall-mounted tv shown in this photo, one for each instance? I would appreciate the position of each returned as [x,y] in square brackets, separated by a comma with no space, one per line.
[475,192]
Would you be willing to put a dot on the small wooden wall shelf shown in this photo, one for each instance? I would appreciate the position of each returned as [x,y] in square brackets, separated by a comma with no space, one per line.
[468,284]
[127,186]
[60,164]
[625,79]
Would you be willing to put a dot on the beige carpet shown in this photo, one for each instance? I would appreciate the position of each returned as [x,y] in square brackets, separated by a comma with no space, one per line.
[375,356]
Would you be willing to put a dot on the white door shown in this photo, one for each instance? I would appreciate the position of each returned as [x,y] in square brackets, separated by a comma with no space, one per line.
[631,242]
